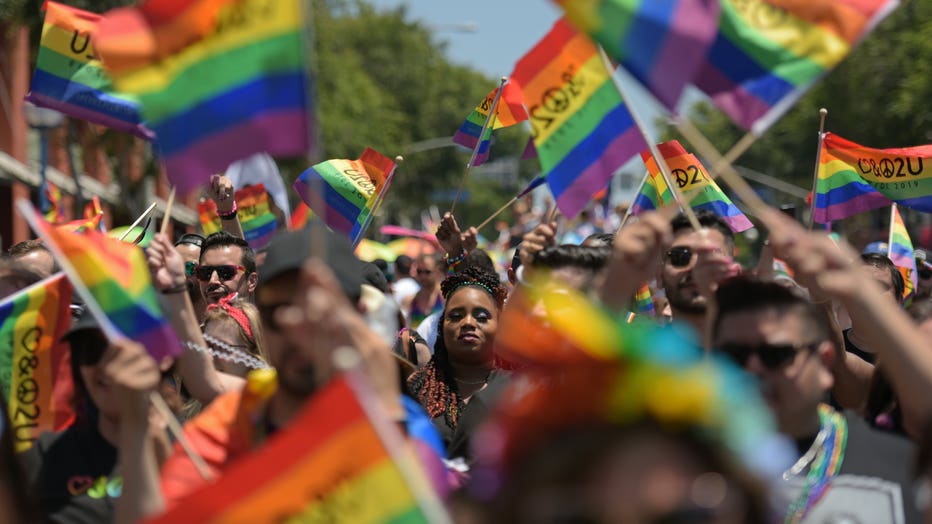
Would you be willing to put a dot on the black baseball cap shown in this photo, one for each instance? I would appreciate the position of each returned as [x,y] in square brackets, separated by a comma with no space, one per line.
[190,238]
[288,251]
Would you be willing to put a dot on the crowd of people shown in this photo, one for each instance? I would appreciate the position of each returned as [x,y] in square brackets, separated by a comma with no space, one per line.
[551,398]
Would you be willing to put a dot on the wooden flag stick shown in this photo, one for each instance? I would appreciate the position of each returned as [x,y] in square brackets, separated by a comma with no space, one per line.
[721,166]
[890,237]
[167,218]
[654,151]
[495,214]
[159,404]
[475,151]
[627,214]
[815,172]
[553,213]
[138,220]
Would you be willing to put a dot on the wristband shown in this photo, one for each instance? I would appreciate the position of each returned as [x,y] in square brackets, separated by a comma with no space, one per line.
[231,215]
[453,262]
[180,288]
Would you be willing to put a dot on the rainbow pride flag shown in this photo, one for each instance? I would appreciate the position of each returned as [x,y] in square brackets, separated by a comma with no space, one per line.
[902,175]
[35,364]
[330,464]
[256,218]
[69,77]
[643,302]
[693,180]
[662,44]
[218,80]
[582,131]
[56,211]
[900,251]
[117,277]
[300,217]
[509,111]
[767,54]
[350,190]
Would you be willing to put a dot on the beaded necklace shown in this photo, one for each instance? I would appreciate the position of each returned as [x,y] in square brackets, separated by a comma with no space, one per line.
[826,455]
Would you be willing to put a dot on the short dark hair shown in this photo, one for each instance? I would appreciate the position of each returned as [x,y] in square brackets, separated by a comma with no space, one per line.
[751,294]
[224,239]
[25,247]
[707,219]
[481,260]
[403,265]
[17,274]
[593,258]
[599,239]
[883,262]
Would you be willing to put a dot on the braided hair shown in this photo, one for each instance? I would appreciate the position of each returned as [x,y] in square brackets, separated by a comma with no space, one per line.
[433,385]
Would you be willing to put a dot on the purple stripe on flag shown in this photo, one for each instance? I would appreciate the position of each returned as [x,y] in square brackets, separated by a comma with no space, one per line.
[592,179]
[694,21]
[281,133]
[95,117]
[742,106]
[858,204]
[331,216]
[160,342]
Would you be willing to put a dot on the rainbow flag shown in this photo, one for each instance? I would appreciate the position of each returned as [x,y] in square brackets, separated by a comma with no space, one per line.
[767,54]
[255,216]
[693,180]
[643,302]
[582,131]
[662,44]
[69,77]
[218,80]
[300,217]
[509,111]
[854,178]
[900,251]
[56,212]
[35,365]
[350,190]
[117,277]
[329,465]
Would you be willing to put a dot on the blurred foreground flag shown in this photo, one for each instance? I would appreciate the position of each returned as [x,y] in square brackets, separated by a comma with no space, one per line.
[218,80]
[582,131]
[69,77]
[767,54]
[344,193]
[853,178]
[693,180]
[509,111]
[901,252]
[661,43]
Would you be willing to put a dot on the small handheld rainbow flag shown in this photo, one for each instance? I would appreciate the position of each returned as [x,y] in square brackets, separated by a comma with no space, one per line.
[69,77]
[767,54]
[218,80]
[900,251]
[869,178]
[300,217]
[582,131]
[643,302]
[509,111]
[56,211]
[351,189]
[256,218]
[692,178]
[35,368]
[331,464]
[113,279]
[662,44]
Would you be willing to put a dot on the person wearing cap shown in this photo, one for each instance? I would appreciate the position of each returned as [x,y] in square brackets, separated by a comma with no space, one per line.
[74,474]
[308,309]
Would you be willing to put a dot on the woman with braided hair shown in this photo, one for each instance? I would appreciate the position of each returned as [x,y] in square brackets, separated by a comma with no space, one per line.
[456,384]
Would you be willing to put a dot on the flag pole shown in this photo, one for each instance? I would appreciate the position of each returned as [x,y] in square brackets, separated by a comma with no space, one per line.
[167,217]
[138,220]
[475,150]
[815,172]
[531,187]
[890,236]
[378,202]
[627,214]
[654,150]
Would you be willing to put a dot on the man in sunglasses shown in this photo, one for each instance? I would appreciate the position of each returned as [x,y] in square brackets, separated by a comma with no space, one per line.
[227,265]
[784,340]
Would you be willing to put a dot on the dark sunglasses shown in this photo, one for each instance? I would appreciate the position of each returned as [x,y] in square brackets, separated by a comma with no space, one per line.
[190,267]
[87,347]
[225,272]
[679,256]
[424,271]
[772,356]
[924,272]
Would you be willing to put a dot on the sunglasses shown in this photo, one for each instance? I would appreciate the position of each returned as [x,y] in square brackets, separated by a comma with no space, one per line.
[225,272]
[772,356]
[679,256]
[424,271]
[189,268]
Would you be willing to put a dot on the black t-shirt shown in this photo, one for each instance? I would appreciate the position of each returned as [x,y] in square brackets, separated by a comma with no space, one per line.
[457,440]
[874,485]
[71,474]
